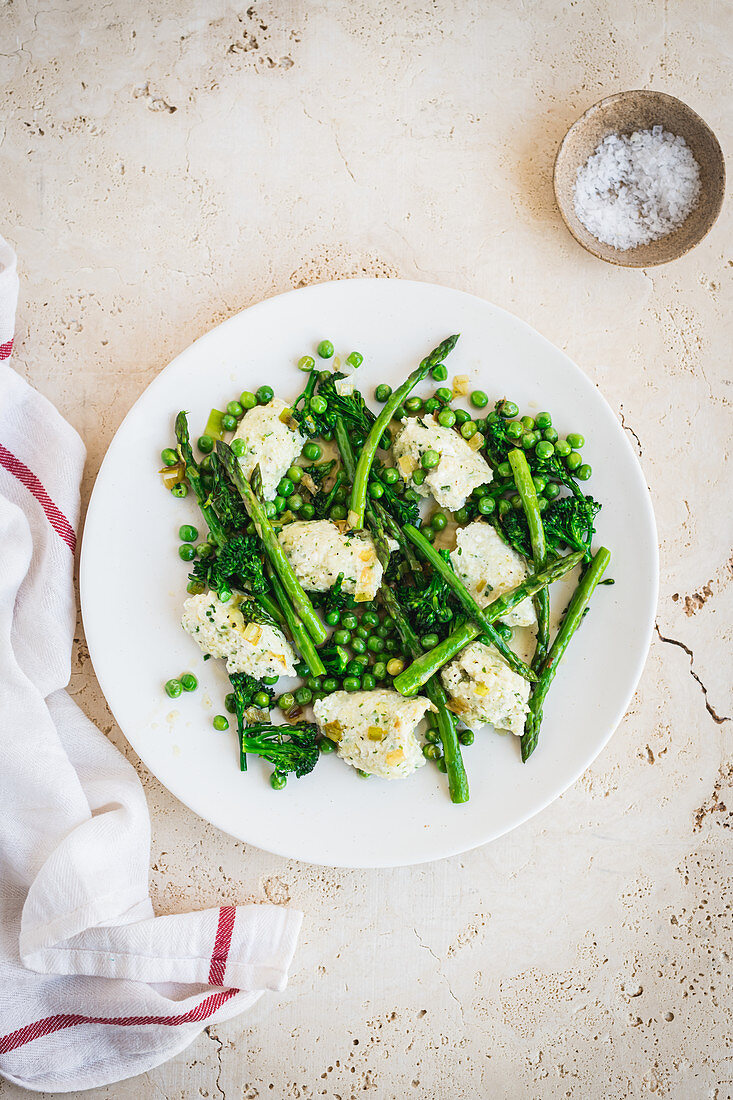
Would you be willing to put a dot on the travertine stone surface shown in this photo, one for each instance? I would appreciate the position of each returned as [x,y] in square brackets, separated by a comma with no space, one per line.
[165,164]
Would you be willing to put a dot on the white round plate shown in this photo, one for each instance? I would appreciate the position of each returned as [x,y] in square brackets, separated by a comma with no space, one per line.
[133,583]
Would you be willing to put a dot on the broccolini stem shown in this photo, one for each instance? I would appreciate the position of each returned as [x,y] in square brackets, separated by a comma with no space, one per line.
[300,635]
[193,477]
[468,603]
[528,494]
[343,443]
[274,551]
[454,767]
[573,617]
[427,664]
[366,458]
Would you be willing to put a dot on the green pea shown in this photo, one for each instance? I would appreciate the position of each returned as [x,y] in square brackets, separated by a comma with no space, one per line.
[432,405]
[187,533]
[576,441]
[195,588]
[413,404]
[295,473]
[238,447]
[382,392]
[390,475]
[265,395]
[441,765]
[330,684]
[486,505]
[562,448]
[514,429]
[221,722]
[462,417]
[552,490]
[362,774]
[504,469]
[235,409]
[504,507]
[247,399]
[205,463]
[431,752]
[368,681]
[173,688]
[516,502]
[400,413]
[262,700]
[312,452]
[339,512]
[508,409]
[332,618]
[447,418]
[351,683]
[375,490]
[391,645]
[429,534]
[186,552]
[529,439]
[528,423]
[584,472]
[543,504]
[189,682]
[431,736]
[315,683]
[466,737]
[286,701]
[303,696]
[479,399]
[230,702]
[270,680]
[429,459]
[325,745]
[358,645]
[349,620]
[169,457]
[370,618]
[285,487]
[438,521]
[418,476]
[278,781]
[341,637]
[440,372]
[307,511]
[357,439]
[180,490]
[461,516]
[469,429]
[550,434]
[379,671]
[355,359]
[540,483]
[325,349]
[306,363]
[573,460]
[543,420]
[205,444]
[374,644]
[429,641]
[383,629]
[444,395]
[270,509]
[295,502]
[224,593]
[544,449]
[280,503]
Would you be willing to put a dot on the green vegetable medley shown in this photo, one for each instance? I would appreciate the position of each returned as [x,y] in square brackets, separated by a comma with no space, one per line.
[423,614]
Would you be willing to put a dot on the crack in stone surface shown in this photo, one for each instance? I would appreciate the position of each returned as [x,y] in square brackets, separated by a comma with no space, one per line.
[215,1038]
[630,430]
[441,972]
[719,719]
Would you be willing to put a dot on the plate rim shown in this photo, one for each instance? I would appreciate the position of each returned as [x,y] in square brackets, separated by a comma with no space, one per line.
[451,849]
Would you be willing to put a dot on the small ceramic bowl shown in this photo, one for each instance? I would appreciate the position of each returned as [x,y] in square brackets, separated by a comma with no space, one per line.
[623,113]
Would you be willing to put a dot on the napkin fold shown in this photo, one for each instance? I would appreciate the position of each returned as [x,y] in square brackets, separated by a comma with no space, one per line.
[93,987]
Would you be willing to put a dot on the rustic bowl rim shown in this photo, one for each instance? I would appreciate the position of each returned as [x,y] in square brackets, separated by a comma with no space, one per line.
[615,256]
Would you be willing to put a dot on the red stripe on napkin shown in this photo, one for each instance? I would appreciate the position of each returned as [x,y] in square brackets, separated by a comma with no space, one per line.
[223,940]
[55,517]
[58,1023]
[5,350]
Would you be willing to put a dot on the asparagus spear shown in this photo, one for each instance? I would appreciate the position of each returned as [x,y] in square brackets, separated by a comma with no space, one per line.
[411,680]
[528,493]
[300,635]
[368,451]
[573,616]
[454,768]
[274,551]
[468,603]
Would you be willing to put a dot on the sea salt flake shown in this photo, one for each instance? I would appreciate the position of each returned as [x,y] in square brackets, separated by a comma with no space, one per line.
[636,188]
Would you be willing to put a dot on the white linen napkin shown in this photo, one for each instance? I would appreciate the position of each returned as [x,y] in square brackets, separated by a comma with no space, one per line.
[93,987]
